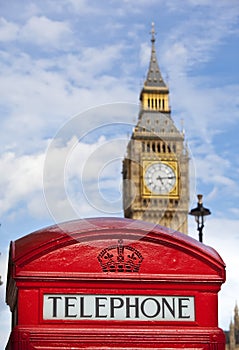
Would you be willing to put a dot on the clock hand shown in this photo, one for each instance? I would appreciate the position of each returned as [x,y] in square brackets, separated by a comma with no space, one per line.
[167,177]
[159,178]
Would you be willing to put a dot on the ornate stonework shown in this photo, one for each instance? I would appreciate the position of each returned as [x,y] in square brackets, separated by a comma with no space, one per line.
[159,194]
[232,336]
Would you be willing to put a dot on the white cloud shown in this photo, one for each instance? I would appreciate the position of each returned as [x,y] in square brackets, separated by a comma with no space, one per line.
[144,54]
[90,62]
[38,30]
[45,93]
[216,174]
[79,168]
[21,178]
[96,176]
[194,41]
[223,235]
[209,163]
[5,315]
[42,31]
[5,321]
[203,107]
[8,30]
[80,5]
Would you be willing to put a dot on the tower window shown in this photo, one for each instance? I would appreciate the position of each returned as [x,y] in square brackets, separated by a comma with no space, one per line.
[148,103]
[159,103]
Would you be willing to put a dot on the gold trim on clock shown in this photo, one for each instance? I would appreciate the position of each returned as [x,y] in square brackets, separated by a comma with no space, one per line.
[160,179]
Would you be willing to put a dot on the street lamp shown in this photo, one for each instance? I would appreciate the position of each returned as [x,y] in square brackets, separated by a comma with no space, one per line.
[199,212]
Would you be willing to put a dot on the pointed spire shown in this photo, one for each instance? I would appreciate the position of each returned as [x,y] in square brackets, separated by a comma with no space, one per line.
[236,317]
[154,77]
[236,308]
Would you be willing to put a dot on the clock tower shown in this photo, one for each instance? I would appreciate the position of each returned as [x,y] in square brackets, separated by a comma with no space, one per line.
[156,165]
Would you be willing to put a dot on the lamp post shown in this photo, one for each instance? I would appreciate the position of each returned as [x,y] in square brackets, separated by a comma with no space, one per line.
[199,212]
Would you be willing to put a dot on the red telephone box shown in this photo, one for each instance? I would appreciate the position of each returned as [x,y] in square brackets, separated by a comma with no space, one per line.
[113,284]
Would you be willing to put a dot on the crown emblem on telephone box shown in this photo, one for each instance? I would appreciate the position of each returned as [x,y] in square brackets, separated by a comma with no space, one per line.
[120,258]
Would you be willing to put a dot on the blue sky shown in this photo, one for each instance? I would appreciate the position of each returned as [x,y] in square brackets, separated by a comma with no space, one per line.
[71,73]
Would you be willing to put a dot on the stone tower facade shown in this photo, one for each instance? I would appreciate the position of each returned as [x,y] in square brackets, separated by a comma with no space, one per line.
[232,336]
[156,166]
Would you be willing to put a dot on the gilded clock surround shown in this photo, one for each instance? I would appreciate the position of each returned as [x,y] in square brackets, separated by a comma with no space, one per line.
[146,192]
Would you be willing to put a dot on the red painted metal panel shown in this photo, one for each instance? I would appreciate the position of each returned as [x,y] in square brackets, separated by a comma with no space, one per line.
[117,259]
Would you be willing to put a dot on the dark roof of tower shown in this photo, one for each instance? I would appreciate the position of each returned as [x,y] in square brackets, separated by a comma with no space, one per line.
[154,77]
[157,125]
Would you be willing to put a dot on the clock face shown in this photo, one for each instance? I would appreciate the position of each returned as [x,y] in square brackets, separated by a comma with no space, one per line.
[160,178]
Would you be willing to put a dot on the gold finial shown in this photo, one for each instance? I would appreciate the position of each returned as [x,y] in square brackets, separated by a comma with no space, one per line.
[153,33]
[200,198]
[182,126]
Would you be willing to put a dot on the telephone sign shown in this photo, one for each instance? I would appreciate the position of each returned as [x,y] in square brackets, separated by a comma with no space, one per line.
[118,307]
